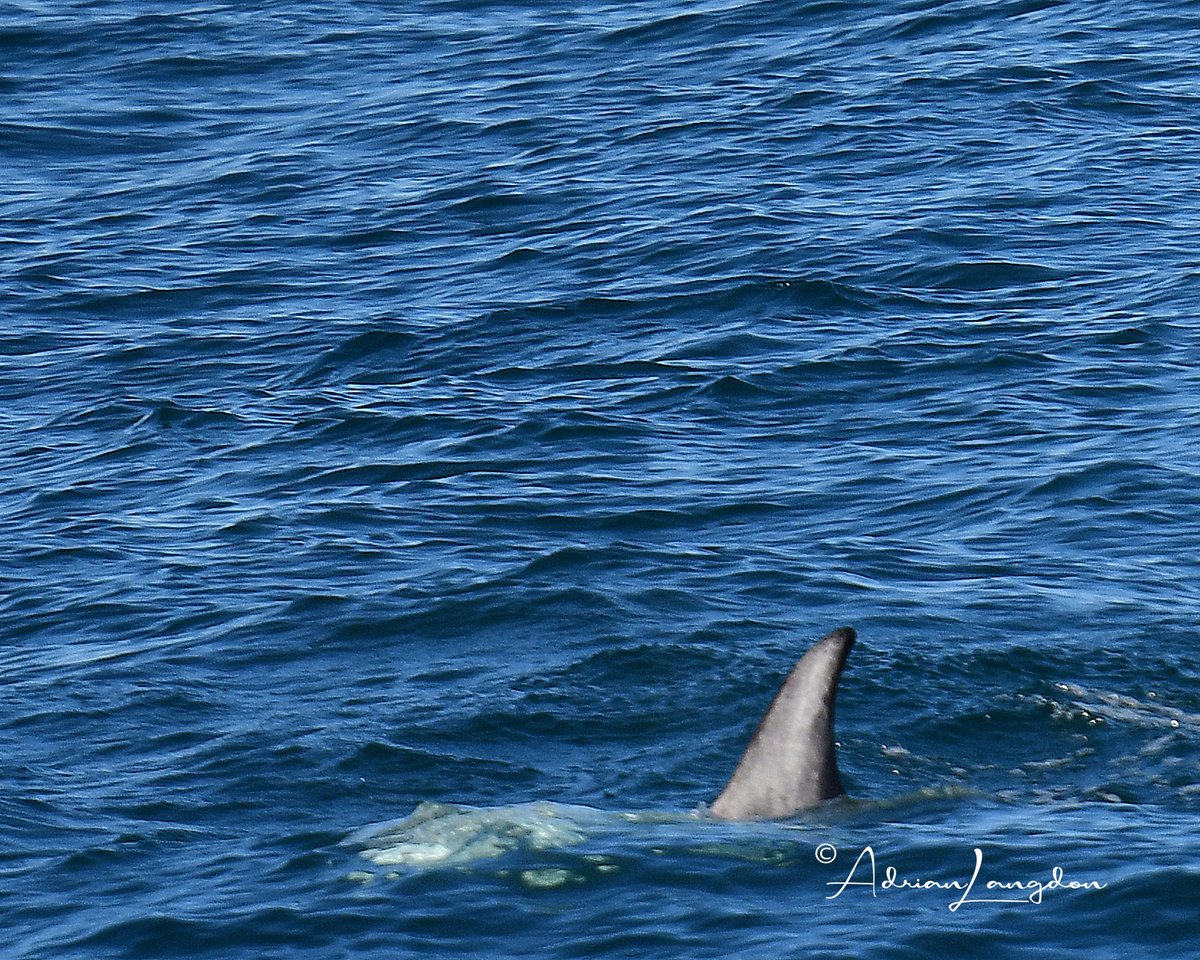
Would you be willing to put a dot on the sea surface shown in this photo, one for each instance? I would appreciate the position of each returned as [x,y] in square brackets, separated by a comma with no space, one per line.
[430,431]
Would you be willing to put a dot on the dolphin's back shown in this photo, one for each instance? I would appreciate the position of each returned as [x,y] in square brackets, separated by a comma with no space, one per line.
[791,763]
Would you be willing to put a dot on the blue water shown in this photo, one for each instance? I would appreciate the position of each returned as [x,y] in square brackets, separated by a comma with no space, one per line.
[463,415]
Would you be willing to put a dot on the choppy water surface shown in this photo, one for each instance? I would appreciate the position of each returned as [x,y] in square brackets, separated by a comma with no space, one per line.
[431,431]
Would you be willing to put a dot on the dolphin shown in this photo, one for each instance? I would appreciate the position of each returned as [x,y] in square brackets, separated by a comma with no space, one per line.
[790,763]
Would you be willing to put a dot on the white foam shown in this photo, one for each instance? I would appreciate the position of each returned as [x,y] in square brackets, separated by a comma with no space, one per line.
[443,834]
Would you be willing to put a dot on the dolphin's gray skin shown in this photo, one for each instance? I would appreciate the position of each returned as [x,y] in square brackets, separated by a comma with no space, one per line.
[790,763]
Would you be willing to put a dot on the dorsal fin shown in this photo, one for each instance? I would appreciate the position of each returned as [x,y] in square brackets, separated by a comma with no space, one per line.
[790,763]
